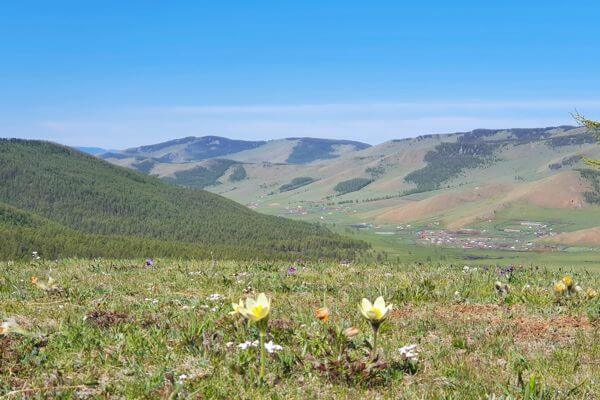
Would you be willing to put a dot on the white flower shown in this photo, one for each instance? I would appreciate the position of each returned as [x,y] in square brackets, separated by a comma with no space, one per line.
[247,344]
[409,353]
[272,347]
[215,297]
[228,344]
[181,378]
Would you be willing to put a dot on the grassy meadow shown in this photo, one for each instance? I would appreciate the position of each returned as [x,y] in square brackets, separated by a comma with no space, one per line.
[123,329]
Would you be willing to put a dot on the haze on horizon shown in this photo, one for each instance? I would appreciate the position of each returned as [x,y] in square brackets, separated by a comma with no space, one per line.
[119,75]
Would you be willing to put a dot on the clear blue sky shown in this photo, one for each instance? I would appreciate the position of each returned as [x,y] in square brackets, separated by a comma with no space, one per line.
[123,73]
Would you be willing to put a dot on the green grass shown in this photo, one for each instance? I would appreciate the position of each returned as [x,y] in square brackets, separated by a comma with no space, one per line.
[402,249]
[118,329]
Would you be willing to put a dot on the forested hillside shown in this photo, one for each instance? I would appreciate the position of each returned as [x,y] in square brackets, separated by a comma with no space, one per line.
[74,193]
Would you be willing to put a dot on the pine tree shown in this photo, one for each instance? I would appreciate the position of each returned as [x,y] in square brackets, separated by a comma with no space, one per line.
[594,128]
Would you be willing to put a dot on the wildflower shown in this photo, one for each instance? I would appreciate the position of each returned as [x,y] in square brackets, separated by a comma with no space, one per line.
[215,297]
[578,289]
[375,314]
[181,378]
[351,332]
[322,314]
[9,326]
[247,344]
[236,307]
[272,347]
[591,293]
[149,262]
[49,286]
[409,353]
[292,270]
[568,281]
[560,288]
[257,310]
[34,255]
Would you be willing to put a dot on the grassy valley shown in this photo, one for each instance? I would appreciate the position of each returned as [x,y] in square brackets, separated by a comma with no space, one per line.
[450,182]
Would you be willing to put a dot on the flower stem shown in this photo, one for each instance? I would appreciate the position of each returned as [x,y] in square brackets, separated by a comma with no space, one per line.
[375,331]
[262,336]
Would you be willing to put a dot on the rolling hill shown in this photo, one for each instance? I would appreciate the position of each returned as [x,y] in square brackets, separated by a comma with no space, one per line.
[455,180]
[74,204]
[200,161]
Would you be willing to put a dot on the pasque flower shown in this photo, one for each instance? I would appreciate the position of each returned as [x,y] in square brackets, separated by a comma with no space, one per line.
[375,313]
[560,288]
[568,281]
[256,310]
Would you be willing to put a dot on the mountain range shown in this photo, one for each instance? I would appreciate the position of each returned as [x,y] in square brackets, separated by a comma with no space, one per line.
[455,180]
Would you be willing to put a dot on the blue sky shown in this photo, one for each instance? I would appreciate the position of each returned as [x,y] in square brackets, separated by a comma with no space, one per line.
[118,74]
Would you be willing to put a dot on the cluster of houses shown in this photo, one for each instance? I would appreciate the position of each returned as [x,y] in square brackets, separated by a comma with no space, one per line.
[517,240]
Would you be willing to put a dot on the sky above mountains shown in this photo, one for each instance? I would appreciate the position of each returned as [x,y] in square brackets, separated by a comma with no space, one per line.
[121,74]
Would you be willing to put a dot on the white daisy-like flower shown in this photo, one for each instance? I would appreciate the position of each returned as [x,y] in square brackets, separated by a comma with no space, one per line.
[247,344]
[272,347]
[409,353]
[215,297]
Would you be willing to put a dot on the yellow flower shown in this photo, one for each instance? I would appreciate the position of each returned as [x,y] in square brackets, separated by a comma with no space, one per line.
[591,293]
[568,281]
[254,309]
[49,286]
[560,287]
[374,312]
[322,314]
[237,307]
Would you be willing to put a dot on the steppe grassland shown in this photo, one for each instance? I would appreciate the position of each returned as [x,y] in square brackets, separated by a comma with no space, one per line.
[116,328]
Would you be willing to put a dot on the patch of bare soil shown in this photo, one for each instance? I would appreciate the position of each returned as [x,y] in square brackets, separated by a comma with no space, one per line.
[106,319]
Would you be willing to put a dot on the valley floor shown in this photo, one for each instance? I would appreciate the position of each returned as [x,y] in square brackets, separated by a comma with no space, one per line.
[121,329]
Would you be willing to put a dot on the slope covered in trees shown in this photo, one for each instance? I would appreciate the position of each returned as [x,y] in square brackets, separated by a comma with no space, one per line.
[80,197]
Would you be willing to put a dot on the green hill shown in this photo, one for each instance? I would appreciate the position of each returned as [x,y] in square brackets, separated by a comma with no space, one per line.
[74,200]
